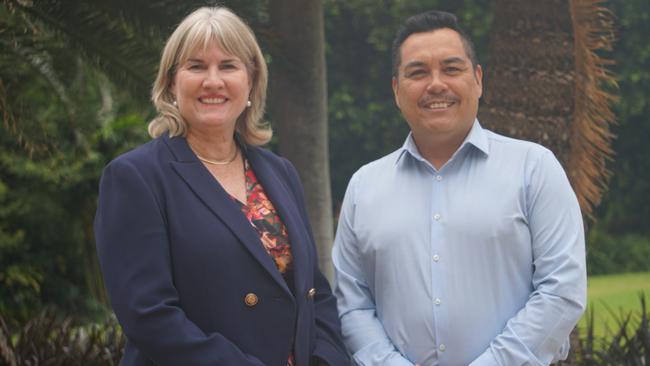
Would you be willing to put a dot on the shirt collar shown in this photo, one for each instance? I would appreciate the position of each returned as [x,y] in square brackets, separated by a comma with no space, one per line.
[476,137]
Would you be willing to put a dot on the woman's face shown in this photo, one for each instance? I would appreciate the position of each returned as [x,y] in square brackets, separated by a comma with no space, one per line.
[211,89]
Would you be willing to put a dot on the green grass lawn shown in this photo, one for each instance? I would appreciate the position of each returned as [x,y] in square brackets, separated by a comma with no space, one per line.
[613,295]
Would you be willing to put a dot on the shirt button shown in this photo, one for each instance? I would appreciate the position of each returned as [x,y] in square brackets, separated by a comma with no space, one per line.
[436,257]
[442,348]
[437,301]
[436,217]
[438,178]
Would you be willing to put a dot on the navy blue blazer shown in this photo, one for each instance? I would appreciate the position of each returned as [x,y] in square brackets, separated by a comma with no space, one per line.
[179,259]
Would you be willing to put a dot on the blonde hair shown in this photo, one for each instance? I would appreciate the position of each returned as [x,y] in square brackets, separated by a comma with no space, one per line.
[199,29]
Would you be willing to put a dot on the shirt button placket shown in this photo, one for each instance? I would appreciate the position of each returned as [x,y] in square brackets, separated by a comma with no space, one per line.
[437,240]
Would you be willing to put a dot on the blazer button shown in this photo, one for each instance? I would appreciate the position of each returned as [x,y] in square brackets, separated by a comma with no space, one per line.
[251,299]
[311,293]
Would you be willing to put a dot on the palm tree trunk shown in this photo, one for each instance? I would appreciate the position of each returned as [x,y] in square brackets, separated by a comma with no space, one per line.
[298,106]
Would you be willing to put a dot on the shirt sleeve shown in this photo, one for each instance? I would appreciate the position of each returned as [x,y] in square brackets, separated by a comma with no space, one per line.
[538,333]
[363,332]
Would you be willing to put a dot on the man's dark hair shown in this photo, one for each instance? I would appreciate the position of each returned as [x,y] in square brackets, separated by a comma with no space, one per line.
[427,22]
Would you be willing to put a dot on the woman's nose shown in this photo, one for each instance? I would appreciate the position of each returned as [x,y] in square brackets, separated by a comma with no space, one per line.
[213,78]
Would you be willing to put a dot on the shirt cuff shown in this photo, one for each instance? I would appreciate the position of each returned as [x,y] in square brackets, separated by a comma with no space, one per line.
[380,353]
[485,359]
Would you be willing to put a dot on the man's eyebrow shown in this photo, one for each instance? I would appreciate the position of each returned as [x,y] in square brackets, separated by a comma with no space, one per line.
[413,64]
[454,60]
[447,61]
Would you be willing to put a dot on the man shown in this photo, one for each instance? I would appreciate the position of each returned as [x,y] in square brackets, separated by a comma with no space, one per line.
[463,247]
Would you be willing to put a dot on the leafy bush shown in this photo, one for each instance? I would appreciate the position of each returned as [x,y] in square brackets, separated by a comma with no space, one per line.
[608,253]
[49,339]
[629,345]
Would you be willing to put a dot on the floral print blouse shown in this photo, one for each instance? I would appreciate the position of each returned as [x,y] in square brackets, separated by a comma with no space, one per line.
[262,215]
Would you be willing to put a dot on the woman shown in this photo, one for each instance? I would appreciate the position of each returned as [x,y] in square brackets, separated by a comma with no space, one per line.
[202,236]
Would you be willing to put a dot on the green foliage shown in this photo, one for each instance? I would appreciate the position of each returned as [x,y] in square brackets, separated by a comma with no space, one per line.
[46,244]
[62,121]
[628,345]
[612,253]
[610,297]
[626,206]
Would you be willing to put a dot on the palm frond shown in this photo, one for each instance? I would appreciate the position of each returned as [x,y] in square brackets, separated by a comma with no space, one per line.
[7,355]
[593,28]
[128,55]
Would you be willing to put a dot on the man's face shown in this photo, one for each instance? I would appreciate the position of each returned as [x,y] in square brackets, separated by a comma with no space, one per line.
[436,88]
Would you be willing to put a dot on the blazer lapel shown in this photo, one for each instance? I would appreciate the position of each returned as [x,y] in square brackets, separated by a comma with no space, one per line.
[203,184]
[284,202]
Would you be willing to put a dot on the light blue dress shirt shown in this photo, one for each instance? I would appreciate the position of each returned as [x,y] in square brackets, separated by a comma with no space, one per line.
[479,263]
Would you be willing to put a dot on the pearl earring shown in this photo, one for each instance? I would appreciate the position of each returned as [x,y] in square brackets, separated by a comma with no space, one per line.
[174,103]
[248,104]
